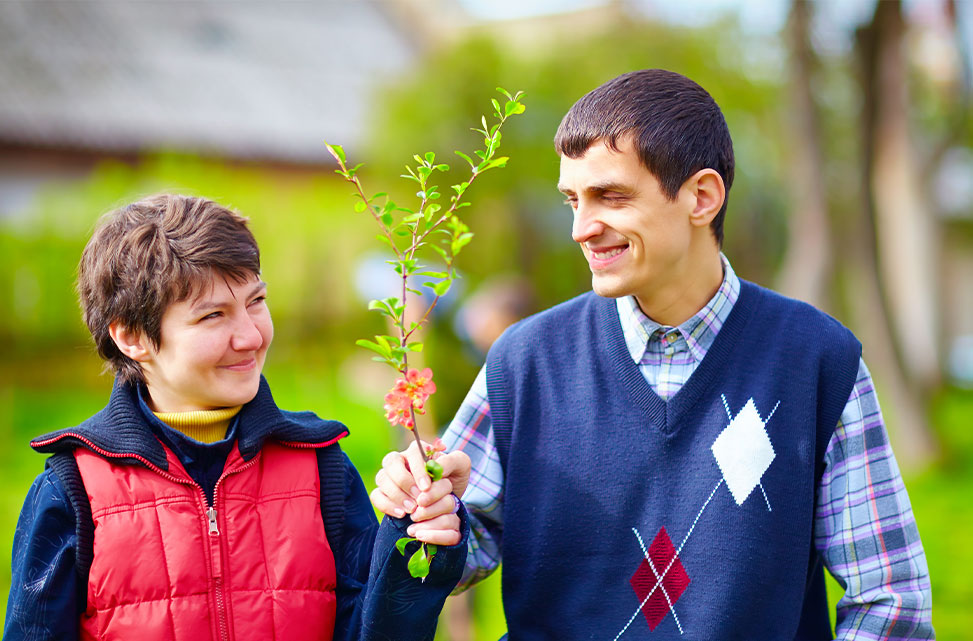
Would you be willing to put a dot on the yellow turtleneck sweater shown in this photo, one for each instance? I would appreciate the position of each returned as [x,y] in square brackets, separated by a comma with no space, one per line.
[205,426]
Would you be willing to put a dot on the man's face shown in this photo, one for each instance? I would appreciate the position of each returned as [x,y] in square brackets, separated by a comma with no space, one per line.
[212,349]
[636,240]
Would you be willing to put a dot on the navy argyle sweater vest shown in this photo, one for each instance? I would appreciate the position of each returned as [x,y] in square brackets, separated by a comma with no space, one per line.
[627,517]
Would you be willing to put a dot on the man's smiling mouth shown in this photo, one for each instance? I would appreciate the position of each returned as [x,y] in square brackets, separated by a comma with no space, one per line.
[605,254]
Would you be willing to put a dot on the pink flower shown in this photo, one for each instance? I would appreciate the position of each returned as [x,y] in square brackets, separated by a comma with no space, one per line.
[437,446]
[397,408]
[407,394]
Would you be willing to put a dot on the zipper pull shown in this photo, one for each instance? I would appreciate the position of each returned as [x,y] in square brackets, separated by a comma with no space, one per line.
[213,529]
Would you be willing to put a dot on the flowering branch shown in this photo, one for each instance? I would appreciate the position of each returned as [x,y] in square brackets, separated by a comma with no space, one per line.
[406,231]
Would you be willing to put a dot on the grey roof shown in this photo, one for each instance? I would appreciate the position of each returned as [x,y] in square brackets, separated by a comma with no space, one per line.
[247,79]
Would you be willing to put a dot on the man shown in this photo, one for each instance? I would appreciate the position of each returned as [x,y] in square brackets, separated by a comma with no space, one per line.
[683,461]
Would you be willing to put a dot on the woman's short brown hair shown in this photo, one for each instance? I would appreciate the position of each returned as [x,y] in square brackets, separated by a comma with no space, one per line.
[155,252]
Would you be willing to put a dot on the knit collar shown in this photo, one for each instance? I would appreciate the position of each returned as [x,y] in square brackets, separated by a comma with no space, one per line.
[121,432]
[642,333]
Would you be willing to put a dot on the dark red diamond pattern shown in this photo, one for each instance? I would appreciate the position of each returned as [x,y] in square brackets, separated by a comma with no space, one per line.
[675,581]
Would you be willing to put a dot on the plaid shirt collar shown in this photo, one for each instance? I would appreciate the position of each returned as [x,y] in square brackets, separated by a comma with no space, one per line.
[699,332]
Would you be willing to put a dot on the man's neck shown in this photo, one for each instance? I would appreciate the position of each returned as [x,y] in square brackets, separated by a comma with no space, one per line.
[677,302]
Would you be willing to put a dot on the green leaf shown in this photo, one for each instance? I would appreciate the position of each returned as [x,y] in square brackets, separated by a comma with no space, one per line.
[434,469]
[360,206]
[496,162]
[496,105]
[386,219]
[513,107]
[337,151]
[401,543]
[419,563]
[505,93]
[442,286]
[415,347]
[431,550]
[375,347]
[466,158]
[384,239]
[442,167]
[430,157]
[434,274]
[411,218]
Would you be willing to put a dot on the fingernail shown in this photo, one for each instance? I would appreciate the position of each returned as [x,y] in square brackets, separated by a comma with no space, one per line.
[409,505]
[399,513]
[411,531]
[414,491]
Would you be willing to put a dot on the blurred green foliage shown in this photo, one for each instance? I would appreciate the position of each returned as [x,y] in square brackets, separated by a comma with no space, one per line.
[312,242]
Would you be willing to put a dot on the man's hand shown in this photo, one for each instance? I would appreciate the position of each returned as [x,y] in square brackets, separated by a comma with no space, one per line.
[404,487]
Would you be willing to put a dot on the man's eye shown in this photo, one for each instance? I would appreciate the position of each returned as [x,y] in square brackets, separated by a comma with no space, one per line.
[572,202]
[258,300]
[211,315]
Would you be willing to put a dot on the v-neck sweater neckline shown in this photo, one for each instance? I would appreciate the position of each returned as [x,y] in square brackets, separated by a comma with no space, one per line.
[665,415]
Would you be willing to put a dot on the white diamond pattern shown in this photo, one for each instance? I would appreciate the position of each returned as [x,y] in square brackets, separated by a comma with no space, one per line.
[743,451]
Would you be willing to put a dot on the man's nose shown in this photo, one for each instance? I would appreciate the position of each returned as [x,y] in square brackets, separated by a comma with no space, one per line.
[587,224]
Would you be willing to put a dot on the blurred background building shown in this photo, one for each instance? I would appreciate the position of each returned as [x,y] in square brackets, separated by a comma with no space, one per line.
[853,129]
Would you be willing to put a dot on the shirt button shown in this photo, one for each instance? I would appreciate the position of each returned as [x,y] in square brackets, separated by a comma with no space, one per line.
[671,338]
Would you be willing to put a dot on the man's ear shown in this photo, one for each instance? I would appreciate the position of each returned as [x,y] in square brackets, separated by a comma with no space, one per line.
[130,343]
[706,186]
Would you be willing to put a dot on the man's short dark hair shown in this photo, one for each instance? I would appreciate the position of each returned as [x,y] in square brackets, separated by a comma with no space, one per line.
[676,127]
[150,254]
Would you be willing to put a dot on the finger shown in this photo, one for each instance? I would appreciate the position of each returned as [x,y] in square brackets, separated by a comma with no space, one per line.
[446,505]
[384,505]
[395,467]
[393,493]
[442,531]
[436,491]
[456,467]
[418,466]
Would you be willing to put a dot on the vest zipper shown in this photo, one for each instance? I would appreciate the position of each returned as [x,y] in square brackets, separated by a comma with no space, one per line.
[216,549]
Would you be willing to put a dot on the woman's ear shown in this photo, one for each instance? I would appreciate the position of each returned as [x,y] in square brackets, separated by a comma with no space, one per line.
[130,343]
[707,188]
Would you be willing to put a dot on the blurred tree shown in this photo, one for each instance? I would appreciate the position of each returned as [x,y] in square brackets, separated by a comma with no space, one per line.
[901,228]
[806,271]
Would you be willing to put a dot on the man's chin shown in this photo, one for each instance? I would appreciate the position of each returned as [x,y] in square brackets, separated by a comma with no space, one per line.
[607,287]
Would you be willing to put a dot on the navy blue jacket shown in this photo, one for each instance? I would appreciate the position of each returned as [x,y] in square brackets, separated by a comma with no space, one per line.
[49,576]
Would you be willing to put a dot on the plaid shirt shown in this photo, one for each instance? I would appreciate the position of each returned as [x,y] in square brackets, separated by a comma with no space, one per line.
[863,510]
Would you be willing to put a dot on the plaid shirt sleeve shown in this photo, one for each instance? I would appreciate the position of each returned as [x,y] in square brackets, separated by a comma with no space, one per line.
[472,432]
[865,530]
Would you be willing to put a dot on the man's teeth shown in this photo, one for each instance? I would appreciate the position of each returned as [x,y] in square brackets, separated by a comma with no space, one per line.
[605,255]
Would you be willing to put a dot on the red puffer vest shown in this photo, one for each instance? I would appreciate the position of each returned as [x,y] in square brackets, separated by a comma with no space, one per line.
[167,567]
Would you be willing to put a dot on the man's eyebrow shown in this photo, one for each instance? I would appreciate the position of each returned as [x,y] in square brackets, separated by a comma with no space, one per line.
[600,188]
[209,304]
